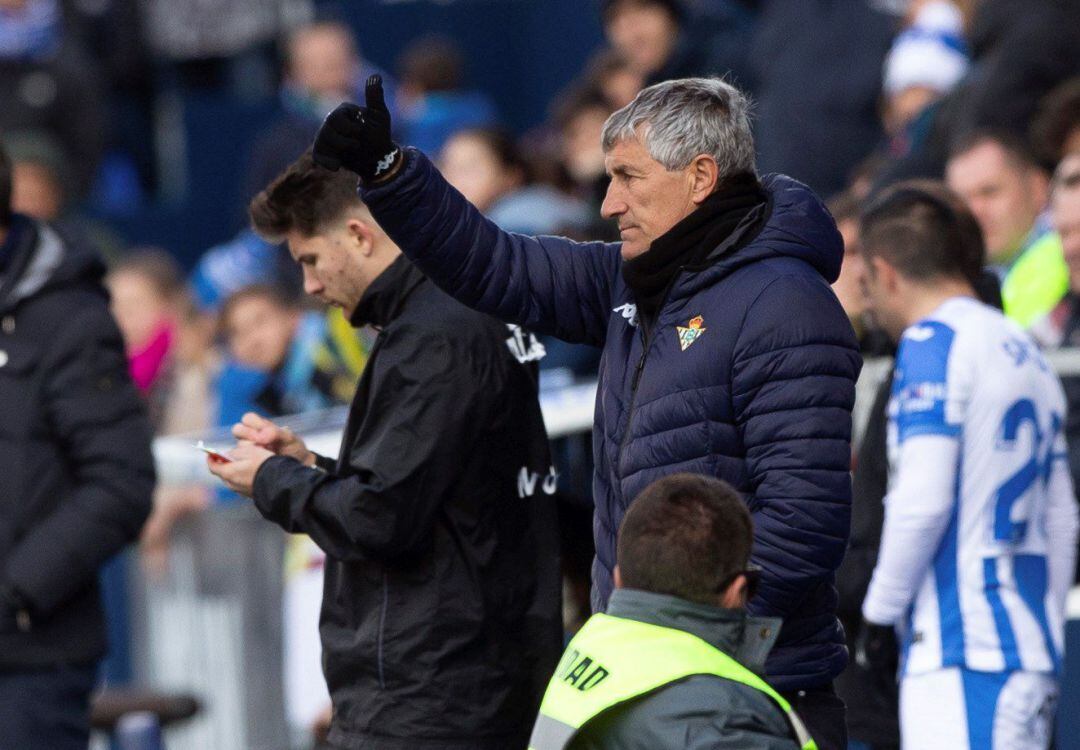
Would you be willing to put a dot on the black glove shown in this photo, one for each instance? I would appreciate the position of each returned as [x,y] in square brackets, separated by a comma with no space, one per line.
[876,648]
[358,138]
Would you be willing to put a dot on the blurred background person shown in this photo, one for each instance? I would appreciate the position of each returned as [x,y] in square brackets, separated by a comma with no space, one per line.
[433,101]
[76,477]
[1019,51]
[1007,191]
[817,85]
[486,166]
[49,84]
[322,67]
[665,39]
[579,117]
[268,333]
[146,289]
[229,46]
[613,77]
[926,60]
[1061,326]
[42,188]
[1055,130]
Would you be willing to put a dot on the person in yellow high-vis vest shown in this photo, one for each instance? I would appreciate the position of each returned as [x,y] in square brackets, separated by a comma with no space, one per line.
[1006,189]
[675,661]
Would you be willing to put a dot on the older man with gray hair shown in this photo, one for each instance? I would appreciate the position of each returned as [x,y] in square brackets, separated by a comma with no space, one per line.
[725,351]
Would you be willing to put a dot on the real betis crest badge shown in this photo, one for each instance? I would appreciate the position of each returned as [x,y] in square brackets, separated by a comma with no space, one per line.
[691,332]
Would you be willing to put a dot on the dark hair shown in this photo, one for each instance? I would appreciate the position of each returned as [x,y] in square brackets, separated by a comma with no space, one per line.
[1058,115]
[431,63]
[925,231]
[1015,148]
[5,189]
[156,266]
[685,535]
[576,100]
[305,198]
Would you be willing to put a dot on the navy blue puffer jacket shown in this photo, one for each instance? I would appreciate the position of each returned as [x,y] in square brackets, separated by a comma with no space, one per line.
[748,374]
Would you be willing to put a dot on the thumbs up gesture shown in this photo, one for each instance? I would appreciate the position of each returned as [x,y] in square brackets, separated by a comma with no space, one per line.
[358,138]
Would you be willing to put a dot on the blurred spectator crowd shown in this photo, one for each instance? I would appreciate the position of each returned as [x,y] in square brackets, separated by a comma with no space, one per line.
[99,98]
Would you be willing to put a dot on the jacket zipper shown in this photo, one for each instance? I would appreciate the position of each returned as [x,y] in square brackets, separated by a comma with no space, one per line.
[646,342]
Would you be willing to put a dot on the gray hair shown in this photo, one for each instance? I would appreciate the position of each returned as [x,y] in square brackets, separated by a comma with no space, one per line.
[678,120]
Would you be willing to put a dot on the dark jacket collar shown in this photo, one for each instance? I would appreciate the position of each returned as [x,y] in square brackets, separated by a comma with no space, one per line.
[746,639]
[384,299]
[694,240]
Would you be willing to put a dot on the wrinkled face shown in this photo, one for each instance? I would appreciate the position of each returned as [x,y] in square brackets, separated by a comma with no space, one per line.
[470,166]
[259,332]
[1005,197]
[645,198]
[331,271]
[322,62]
[1066,208]
[137,305]
[643,33]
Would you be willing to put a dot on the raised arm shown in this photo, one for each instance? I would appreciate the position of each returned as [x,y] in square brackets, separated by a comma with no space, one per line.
[549,284]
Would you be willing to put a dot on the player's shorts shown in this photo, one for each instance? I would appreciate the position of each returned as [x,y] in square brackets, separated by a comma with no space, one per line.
[958,708]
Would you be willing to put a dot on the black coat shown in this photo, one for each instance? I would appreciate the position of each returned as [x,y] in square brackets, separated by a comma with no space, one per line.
[76,471]
[440,620]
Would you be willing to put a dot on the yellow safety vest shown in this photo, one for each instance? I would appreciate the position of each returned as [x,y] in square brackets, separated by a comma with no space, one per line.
[613,660]
[1036,282]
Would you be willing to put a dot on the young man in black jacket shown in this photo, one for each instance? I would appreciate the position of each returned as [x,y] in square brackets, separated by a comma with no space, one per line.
[76,477]
[440,620]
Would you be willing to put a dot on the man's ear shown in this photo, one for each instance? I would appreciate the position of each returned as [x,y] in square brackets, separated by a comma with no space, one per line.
[704,176]
[734,597]
[617,577]
[363,236]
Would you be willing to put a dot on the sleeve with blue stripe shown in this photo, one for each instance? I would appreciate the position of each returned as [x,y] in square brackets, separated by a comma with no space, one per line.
[921,397]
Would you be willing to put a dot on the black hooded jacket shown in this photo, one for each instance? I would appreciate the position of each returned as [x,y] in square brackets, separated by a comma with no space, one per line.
[440,620]
[76,470]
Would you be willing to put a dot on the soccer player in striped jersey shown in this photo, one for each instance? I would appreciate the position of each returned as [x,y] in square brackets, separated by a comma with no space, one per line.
[979,543]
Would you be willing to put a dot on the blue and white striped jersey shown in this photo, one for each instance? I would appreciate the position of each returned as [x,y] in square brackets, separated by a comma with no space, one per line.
[981,522]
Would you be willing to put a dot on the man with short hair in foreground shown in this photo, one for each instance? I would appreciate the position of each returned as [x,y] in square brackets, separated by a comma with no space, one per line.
[440,617]
[675,662]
